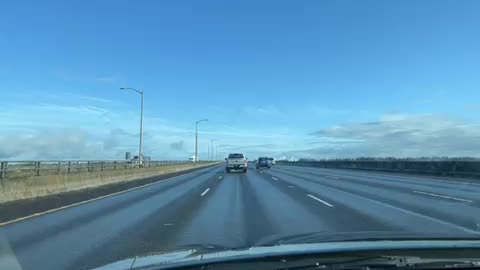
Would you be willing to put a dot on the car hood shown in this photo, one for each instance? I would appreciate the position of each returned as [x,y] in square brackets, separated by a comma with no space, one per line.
[194,255]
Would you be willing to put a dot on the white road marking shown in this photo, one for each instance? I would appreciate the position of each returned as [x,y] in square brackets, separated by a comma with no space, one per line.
[291,186]
[442,196]
[332,177]
[319,200]
[168,224]
[205,192]
[274,178]
[412,213]
[220,177]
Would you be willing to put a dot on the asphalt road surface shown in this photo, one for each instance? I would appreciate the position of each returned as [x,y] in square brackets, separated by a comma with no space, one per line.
[238,210]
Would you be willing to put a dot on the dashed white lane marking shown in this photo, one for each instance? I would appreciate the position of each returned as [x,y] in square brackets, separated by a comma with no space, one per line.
[332,177]
[319,200]
[291,186]
[205,192]
[220,177]
[476,232]
[442,196]
[168,224]
[274,178]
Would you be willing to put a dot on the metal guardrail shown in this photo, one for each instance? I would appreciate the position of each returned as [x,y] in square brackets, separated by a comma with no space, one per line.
[13,169]
[445,168]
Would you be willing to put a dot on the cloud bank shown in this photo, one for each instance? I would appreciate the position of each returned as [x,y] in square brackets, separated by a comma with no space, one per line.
[100,129]
[398,135]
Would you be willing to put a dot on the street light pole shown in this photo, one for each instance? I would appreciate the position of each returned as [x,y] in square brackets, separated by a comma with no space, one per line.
[140,158]
[196,138]
[211,148]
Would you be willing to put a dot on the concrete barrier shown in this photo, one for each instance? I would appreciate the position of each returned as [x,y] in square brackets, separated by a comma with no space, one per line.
[442,168]
[39,186]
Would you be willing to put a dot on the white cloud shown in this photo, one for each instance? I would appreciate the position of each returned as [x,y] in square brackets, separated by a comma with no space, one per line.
[262,110]
[80,109]
[326,111]
[48,144]
[97,99]
[99,129]
[107,79]
[399,135]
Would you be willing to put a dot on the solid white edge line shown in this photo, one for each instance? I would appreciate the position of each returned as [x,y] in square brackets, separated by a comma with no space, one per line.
[332,177]
[319,200]
[205,192]
[442,196]
[88,201]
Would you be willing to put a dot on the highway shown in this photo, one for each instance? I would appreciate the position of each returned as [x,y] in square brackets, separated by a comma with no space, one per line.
[239,210]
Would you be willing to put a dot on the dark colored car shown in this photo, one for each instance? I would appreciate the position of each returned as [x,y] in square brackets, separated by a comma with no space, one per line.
[263,162]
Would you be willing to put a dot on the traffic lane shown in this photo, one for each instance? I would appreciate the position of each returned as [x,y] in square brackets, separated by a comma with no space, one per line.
[156,232]
[90,233]
[253,209]
[407,211]
[243,209]
[426,179]
[32,230]
[220,217]
[446,199]
[335,217]
[463,213]
[459,191]
[450,192]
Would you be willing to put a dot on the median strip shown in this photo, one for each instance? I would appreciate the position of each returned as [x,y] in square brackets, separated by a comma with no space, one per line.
[319,200]
[442,196]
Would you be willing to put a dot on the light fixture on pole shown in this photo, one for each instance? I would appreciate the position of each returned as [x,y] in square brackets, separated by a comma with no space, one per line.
[140,158]
[196,138]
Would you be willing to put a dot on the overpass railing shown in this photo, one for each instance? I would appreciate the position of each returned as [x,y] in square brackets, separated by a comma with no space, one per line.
[461,168]
[12,169]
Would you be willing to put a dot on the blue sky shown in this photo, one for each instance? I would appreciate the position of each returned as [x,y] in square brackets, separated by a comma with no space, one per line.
[280,78]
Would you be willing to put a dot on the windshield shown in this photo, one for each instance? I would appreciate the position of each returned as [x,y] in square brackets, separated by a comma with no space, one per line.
[130,128]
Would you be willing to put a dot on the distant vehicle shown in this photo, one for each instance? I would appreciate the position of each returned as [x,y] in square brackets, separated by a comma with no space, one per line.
[263,162]
[272,161]
[236,162]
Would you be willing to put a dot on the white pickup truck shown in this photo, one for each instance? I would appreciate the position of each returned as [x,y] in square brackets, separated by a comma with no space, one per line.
[236,162]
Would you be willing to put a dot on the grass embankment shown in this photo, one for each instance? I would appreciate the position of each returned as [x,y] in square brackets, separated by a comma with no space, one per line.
[21,188]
